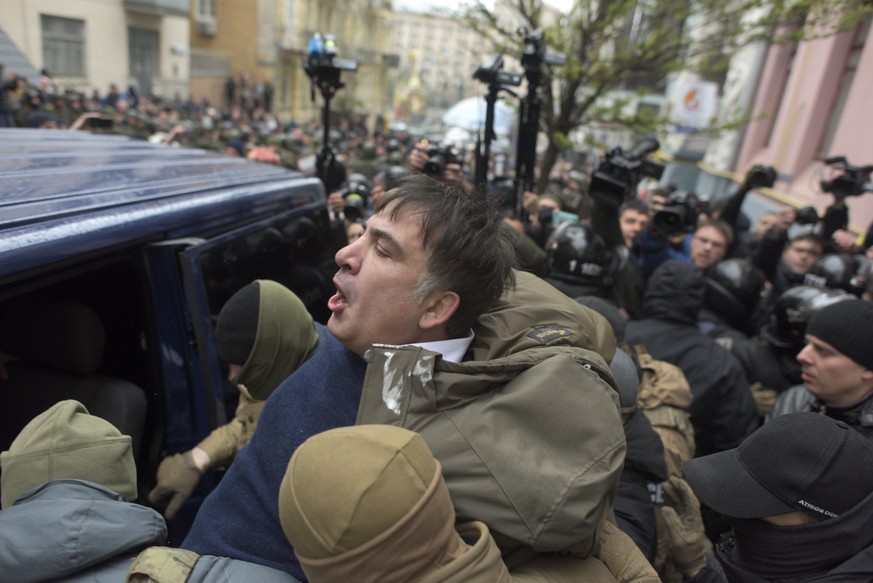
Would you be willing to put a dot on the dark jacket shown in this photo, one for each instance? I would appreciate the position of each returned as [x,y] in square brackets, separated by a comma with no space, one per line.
[644,468]
[240,518]
[858,416]
[774,367]
[723,411]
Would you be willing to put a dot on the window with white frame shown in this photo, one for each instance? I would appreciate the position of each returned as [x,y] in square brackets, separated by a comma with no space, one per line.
[63,45]
[206,9]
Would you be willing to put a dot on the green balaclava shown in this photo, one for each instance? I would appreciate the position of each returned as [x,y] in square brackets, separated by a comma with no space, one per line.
[283,338]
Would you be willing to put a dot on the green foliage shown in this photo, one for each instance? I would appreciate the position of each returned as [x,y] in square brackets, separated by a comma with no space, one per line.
[633,45]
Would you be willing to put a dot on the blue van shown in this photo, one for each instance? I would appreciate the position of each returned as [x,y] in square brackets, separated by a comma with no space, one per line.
[116,256]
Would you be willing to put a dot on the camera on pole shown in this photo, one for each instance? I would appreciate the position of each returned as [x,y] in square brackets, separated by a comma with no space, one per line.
[492,74]
[325,71]
[533,58]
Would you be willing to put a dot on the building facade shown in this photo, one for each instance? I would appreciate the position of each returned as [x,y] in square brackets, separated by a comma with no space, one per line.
[91,44]
[265,41]
[811,102]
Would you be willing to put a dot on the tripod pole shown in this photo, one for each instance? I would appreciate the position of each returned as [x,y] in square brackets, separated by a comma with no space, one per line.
[322,160]
[482,160]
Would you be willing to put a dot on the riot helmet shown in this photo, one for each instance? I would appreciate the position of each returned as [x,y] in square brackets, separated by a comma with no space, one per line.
[840,271]
[734,288]
[793,310]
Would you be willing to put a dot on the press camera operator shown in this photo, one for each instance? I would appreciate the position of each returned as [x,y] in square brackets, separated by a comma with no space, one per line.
[618,217]
[673,233]
[785,261]
[446,163]
[443,162]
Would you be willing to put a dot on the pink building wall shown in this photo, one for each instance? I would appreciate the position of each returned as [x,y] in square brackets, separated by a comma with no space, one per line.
[800,109]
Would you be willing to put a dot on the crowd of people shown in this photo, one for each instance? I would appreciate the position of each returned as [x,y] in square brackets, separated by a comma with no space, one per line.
[576,391]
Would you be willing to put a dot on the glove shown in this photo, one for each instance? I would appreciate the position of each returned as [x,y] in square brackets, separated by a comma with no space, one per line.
[765,398]
[684,525]
[178,475]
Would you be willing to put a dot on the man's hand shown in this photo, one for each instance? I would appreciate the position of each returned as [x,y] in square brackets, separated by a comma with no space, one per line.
[684,526]
[844,241]
[417,157]
[783,220]
[765,398]
[178,475]
[656,204]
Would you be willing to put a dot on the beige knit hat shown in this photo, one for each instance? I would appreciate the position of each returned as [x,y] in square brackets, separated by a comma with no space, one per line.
[67,442]
[345,486]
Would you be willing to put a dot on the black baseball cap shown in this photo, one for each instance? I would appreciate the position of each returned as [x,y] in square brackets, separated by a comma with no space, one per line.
[800,461]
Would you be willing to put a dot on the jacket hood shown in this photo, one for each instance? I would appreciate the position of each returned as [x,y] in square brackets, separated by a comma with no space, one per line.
[66,526]
[500,427]
[674,292]
[285,337]
[534,314]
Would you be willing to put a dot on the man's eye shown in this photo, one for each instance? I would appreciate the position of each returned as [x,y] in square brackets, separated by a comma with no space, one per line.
[381,252]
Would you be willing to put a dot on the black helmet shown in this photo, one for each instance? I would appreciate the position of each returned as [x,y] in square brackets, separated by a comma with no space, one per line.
[840,271]
[733,288]
[793,310]
[357,196]
[393,174]
[578,255]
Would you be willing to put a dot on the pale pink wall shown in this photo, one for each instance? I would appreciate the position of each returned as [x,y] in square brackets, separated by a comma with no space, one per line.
[804,112]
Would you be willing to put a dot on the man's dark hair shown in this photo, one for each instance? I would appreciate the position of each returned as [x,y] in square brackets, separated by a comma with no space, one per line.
[468,250]
[633,204]
[720,226]
[811,237]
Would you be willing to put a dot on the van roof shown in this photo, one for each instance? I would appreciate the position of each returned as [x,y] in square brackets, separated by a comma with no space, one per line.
[68,192]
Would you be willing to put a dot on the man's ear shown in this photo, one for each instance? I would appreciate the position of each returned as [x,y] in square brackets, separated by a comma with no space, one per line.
[439,307]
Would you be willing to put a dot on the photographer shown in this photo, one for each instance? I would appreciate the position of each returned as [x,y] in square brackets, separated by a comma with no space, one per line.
[786,262]
[444,163]
[759,176]
[671,233]
[842,180]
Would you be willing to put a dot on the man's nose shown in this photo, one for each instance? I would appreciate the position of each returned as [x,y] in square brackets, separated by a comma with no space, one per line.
[346,258]
[803,355]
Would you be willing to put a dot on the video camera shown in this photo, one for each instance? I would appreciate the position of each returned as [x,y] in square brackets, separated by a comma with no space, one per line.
[492,73]
[847,180]
[761,176]
[679,214]
[619,172]
[440,156]
[324,67]
[806,216]
[534,54]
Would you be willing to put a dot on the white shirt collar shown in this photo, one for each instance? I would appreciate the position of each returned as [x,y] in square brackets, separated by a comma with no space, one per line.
[452,350]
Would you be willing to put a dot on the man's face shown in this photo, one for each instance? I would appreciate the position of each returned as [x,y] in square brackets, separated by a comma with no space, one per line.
[632,222]
[832,376]
[378,276]
[454,175]
[708,246]
[799,256]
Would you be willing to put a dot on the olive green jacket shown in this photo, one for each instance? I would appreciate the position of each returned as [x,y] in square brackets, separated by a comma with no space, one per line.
[529,432]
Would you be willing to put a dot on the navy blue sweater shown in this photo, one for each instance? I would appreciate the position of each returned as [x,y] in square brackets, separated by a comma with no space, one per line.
[240,518]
